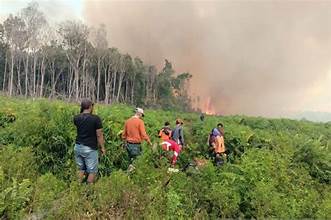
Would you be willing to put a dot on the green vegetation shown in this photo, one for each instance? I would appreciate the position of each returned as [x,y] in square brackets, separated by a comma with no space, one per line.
[276,168]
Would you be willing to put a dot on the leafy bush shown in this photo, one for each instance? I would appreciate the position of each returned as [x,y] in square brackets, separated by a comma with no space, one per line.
[47,189]
[6,117]
[316,158]
[275,168]
[17,163]
[15,197]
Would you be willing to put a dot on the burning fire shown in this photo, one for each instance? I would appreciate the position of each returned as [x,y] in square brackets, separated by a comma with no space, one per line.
[208,107]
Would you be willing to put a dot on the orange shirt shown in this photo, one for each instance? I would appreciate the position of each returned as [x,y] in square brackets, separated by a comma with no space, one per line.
[219,144]
[163,136]
[134,131]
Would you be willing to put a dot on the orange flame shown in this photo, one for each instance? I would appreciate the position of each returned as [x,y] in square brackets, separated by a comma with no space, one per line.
[208,108]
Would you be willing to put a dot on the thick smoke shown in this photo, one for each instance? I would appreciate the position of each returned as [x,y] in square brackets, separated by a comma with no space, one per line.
[250,57]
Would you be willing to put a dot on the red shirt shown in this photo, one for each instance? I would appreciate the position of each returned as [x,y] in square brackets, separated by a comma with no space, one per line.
[171,145]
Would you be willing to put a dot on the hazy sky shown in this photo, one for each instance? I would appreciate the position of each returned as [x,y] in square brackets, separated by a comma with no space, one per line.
[56,10]
[251,57]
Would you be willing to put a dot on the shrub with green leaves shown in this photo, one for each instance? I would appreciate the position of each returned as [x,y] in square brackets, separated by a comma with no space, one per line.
[48,188]
[275,168]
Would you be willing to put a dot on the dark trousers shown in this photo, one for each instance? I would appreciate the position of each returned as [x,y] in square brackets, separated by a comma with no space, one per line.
[219,160]
[134,150]
[216,157]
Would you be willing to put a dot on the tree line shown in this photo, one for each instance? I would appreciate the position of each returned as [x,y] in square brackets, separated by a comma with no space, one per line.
[71,61]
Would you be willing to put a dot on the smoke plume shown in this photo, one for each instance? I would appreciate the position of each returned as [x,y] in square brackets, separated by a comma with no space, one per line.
[249,57]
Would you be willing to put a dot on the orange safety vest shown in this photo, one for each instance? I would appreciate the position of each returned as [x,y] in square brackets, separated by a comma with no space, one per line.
[219,144]
[163,136]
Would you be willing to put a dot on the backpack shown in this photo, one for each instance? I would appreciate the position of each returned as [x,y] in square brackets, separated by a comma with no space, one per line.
[166,131]
[212,138]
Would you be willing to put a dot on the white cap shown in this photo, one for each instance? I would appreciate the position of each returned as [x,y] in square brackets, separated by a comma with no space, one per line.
[140,110]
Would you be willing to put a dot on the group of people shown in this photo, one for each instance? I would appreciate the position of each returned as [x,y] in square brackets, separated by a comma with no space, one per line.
[90,137]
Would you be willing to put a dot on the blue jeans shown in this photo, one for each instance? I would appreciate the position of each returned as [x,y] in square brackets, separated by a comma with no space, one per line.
[86,158]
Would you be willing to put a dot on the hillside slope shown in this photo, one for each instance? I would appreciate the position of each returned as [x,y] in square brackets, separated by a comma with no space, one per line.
[275,168]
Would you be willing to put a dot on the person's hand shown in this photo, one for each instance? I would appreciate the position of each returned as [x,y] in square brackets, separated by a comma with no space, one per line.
[103,151]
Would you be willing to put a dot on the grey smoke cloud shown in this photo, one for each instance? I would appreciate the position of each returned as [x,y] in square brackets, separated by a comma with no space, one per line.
[250,57]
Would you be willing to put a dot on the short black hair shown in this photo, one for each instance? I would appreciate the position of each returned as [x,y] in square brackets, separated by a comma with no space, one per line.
[166,123]
[85,104]
[166,132]
[220,125]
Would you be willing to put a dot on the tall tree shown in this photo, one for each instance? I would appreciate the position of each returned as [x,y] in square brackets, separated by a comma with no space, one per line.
[4,48]
[165,90]
[74,35]
[16,36]
[35,23]
[124,64]
[99,40]
[75,61]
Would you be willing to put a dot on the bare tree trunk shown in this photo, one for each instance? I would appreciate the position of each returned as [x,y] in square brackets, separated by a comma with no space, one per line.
[77,81]
[26,75]
[114,85]
[132,88]
[42,71]
[108,84]
[71,83]
[98,80]
[120,81]
[85,74]
[19,76]
[54,79]
[5,74]
[34,74]
[147,88]
[83,85]
[154,90]
[38,79]
[84,88]
[126,90]
[11,77]
[52,69]
[87,84]
[92,89]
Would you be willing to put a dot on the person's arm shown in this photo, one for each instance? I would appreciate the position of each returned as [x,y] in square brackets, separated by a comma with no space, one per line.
[143,133]
[75,121]
[160,133]
[100,138]
[101,141]
[182,136]
[124,135]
